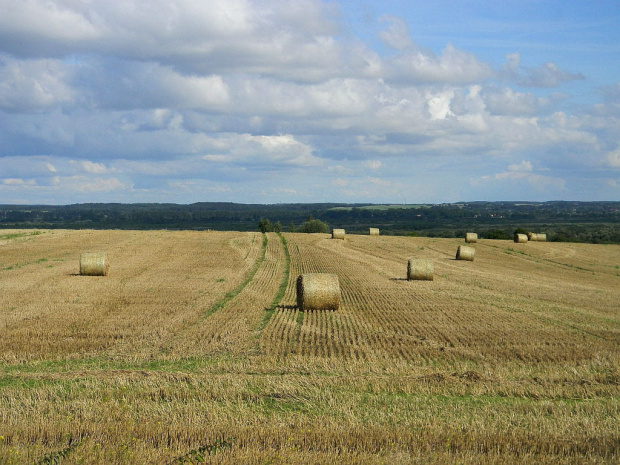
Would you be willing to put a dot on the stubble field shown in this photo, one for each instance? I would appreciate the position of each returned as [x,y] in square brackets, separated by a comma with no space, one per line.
[192,350]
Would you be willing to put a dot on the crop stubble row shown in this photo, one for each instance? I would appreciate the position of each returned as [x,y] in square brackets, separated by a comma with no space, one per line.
[358,413]
[160,283]
[485,313]
[232,328]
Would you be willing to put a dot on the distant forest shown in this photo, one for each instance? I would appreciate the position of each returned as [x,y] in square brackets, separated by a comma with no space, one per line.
[595,222]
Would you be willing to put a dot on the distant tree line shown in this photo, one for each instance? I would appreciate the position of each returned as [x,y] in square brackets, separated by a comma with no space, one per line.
[311,225]
[264,225]
[597,222]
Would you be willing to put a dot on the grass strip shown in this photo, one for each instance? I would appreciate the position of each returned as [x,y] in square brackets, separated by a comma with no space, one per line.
[11,236]
[281,290]
[235,292]
[21,265]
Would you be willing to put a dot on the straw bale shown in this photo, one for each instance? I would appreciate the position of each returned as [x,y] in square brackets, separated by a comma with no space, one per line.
[318,291]
[520,238]
[419,269]
[536,237]
[471,238]
[94,264]
[338,234]
[373,231]
[465,253]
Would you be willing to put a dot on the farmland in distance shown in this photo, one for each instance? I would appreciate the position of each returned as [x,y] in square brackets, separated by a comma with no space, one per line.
[192,350]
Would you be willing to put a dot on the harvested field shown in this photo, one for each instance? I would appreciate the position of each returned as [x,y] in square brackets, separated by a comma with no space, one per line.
[193,348]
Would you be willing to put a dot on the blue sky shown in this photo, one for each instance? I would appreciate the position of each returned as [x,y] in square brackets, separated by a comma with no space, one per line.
[308,101]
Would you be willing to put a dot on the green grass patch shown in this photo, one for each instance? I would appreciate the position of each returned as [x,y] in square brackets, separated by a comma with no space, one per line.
[235,292]
[187,365]
[276,403]
[511,251]
[26,383]
[282,289]
[21,265]
[575,267]
[13,236]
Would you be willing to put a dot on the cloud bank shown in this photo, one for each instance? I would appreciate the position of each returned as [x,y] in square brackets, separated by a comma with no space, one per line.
[192,100]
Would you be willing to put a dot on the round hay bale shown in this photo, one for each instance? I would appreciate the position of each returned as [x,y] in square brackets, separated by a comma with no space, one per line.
[338,234]
[94,264]
[318,291]
[520,238]
[465,253]
[373,231]
[471,238]
[537,237]
[419,269]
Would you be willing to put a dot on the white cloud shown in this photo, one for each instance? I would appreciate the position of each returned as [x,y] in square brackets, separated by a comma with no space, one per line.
[613,158]
[507,101]
[378,181]
[107,95]
[415,65]
[220,189]
[33,85]
[94,168]
[270,37]
[373,164]
[439,104]
[285,191]
[43,20]
[103,185]
[469,101]
[370,189]
[522,173]
[83,184]
[191,91]
[546,75]
[339,170]
[538,182]
[150,86]
[453,66]
[274,151]
[198,185]
[18,182]
[396,33]
[523,166]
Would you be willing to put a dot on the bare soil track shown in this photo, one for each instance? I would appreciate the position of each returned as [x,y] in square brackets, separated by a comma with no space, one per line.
[186,352]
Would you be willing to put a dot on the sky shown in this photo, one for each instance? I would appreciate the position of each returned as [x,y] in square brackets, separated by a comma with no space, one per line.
[287,101]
